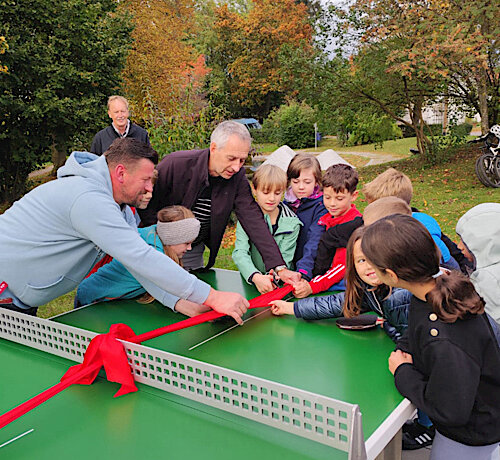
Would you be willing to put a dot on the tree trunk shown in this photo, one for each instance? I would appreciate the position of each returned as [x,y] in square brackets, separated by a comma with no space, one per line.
[417,121]
[482,92]
[58,157]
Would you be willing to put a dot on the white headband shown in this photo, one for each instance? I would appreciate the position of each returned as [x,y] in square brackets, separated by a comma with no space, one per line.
[178,232]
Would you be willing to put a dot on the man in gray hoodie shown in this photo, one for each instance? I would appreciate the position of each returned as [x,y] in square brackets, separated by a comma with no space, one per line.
[53,236]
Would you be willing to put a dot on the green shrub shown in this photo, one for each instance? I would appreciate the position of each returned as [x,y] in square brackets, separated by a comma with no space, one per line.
[372,129]
[291,124]
[445,145]
[171,134]
[435,129]
[462,130]
[261,136]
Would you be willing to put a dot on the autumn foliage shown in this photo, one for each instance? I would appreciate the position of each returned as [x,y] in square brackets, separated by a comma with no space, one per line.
[443,39]
[164,72]
[248,47]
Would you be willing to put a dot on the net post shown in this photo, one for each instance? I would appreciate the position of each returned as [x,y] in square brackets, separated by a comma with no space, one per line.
[357,449]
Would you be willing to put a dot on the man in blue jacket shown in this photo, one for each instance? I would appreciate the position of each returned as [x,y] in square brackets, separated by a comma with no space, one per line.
[53,236]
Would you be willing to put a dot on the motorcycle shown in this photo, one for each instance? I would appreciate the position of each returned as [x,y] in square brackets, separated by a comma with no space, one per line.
[488,163]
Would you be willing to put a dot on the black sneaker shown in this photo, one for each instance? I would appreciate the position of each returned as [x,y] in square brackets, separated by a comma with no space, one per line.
[416,436]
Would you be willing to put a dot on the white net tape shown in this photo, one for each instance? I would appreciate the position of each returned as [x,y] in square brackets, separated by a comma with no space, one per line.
[322,419]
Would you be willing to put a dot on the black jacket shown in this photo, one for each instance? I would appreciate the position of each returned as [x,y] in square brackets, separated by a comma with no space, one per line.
[182,176]
[455,376]
[105,137]
[333,238]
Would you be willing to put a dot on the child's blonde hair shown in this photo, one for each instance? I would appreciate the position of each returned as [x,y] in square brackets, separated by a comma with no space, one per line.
[385,207]
[390,183]
[269,177]
[303,161]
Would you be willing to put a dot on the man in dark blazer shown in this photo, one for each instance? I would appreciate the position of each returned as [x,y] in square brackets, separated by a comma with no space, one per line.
[212,183]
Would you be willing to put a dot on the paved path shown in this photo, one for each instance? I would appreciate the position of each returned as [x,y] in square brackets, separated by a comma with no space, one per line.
[374,158]
[41,172]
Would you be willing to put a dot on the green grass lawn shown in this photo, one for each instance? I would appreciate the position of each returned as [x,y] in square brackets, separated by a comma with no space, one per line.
[444,191]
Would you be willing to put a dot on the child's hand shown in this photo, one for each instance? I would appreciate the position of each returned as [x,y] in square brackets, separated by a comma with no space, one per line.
[302,289]
[289,277]
[263,283]
[280,307]
[397,358]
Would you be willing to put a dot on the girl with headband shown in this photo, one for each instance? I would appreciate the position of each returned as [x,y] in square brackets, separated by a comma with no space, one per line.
[173,234]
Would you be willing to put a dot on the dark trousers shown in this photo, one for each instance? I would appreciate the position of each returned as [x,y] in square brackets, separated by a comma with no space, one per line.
[28,311]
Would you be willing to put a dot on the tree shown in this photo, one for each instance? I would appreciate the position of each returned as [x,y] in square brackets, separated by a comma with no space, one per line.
[64,59]
[3,48]
[362,79]
[164,73]
[245,57]
[448,40]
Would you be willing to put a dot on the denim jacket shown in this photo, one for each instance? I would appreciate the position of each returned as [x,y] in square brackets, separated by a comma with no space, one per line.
[394,309]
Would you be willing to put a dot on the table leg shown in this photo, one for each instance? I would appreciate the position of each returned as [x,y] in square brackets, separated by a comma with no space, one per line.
[393,450]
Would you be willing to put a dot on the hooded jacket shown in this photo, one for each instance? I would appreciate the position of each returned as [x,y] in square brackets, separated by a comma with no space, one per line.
[479,229]
[53,236]
[246,256]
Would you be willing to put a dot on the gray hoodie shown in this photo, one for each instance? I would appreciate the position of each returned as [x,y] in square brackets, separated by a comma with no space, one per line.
[52,237]
[479,229]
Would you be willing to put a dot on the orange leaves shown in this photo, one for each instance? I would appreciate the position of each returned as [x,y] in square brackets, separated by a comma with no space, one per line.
[251,42]
[162,64]
[442,34]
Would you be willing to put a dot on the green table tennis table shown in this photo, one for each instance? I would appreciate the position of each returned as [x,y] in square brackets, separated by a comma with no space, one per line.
[276,387]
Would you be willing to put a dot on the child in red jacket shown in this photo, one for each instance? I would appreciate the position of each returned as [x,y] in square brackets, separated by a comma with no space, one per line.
[339,193]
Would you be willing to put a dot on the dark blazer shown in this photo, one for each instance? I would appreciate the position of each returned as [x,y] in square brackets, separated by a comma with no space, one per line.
[181,177]
[105,137]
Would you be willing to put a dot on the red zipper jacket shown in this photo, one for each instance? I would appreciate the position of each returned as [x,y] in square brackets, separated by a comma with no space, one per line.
[336,272]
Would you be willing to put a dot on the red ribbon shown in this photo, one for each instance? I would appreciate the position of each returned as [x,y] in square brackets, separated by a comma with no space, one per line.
[105,351]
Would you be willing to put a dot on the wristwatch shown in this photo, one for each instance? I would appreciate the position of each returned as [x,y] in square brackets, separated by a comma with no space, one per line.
[279,268]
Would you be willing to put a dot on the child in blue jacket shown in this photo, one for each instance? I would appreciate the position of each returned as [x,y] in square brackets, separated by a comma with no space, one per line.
[364,292]
[305,197]
[173,234]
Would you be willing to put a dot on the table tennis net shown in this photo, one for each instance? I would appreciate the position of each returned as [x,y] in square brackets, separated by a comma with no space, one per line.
[319,418]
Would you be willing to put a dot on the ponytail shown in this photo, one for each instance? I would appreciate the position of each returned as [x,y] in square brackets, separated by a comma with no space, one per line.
[454,297]
[403,245]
